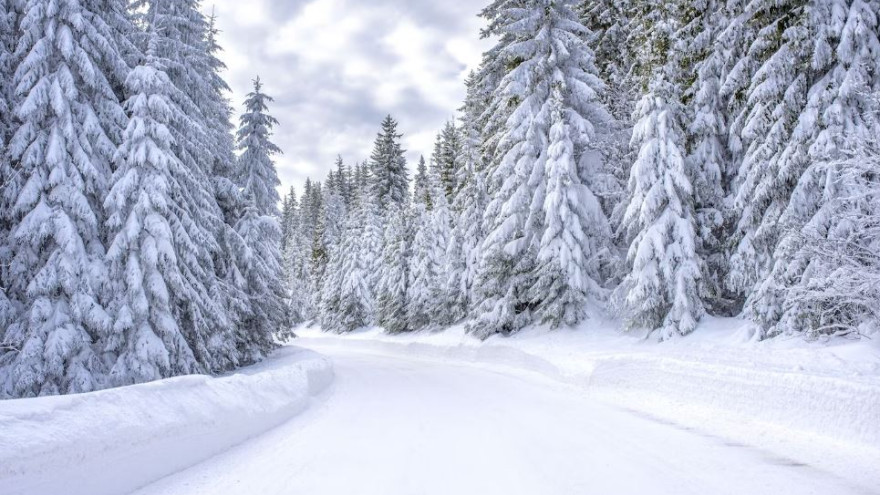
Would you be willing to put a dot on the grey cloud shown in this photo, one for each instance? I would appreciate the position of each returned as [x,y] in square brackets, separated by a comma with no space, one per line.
[323,110]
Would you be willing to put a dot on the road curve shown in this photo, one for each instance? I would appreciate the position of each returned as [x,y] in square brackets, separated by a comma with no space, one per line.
[396,425]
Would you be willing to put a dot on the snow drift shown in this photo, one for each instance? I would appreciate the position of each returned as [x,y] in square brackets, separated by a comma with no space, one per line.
[135,435]
[788,396]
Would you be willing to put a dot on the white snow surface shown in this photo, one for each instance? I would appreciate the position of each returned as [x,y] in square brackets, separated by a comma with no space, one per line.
[541,413]
[440,419]
[805,401]
[115,441]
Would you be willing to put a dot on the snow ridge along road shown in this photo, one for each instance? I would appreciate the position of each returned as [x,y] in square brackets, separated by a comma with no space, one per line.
[114,441]
[395,422]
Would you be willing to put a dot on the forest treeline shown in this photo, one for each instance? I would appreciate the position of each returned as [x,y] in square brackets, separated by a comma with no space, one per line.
[656,160]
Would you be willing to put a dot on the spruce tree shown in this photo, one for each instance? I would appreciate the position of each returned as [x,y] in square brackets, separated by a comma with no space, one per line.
[180,43]
[390,178]
[422,185]
[68,117]
[547,41]
[463,250]
[255,166]
[393,279]
[811,180]
[148,257]
[260,263]
[426,291]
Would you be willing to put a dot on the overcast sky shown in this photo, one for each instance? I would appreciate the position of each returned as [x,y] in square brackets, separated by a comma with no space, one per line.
[337,67]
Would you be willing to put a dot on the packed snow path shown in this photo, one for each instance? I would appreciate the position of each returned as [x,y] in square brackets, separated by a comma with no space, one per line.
[392,424]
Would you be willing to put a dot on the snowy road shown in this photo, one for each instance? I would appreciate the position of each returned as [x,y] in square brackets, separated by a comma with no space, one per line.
[392,425]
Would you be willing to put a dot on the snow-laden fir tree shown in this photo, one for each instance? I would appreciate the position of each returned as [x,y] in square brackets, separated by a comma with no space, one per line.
[259,178]
[393,279]
[463,250]
[576,236]
[427,261]
[662,289]
[773,74]
[445,160]
[343,182]
[260,263]
[608,24]
[390,178]
[347,302]
[838,256]
[69,116]
[335,212]
[8,191]
[179,39]
[549,49]
[422,185]
[289,207]
[148,257]
[708,159]
[294,261]
[833,130]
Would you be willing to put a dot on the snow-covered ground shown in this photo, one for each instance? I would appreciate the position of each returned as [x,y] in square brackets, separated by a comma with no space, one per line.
[541,413]
[398,421]
[807,401]
[115,441]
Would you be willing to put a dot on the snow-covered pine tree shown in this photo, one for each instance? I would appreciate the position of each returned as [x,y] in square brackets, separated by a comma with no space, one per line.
[577,235]
[8,191]
[426,299]
[180,38]
[289,207]
[260,263]
[463,250]
[148,257]
[347,299]
[292,255]
[447,152]
[708,159]
[393,279]
[255,165]
[390,178]
[546,41]
[317,251]
[772,74]
[661,290]
[422,185]
[334,216]
[833,134]
[69,116]
[838,256]
[343,180]
[607,22]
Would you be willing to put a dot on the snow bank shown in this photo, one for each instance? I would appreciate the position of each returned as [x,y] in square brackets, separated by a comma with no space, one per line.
[135,435]
[789,395]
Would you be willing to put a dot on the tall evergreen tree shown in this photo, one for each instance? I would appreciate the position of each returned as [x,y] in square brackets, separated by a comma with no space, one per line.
[548,42]
[149,257]
[255,166]
[463,250]
[426,292]
[69,116]
[661,290]
[708,157]
[422,185]
[445,159]
[180,42]
[390,178]
[260,263]
[393,279]
[835,123]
